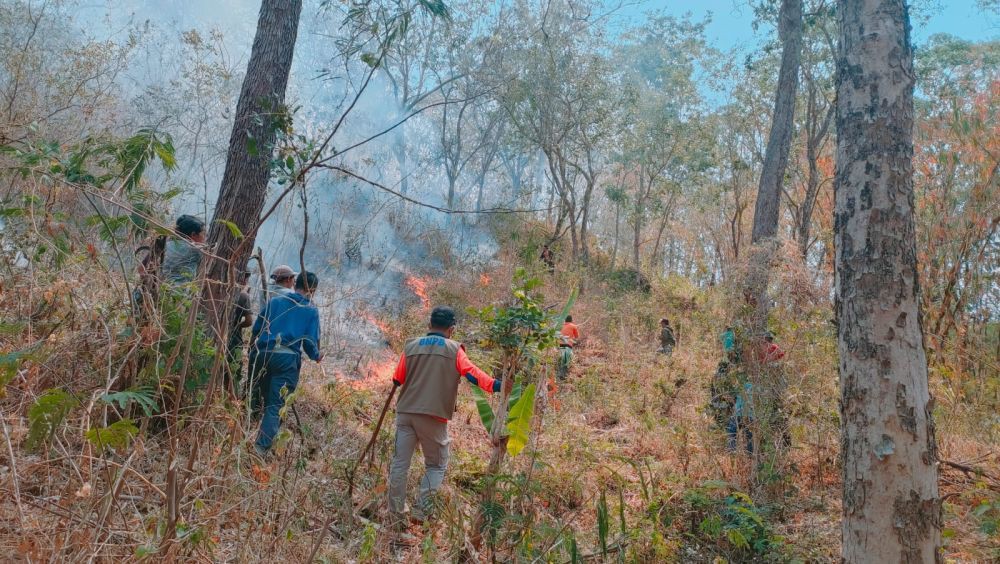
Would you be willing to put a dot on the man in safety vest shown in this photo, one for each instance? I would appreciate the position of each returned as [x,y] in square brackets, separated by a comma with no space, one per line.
[428,375]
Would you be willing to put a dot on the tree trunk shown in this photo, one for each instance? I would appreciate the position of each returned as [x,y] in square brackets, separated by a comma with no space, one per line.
[891,507]
[585,221]
[399,150]
[479,195]
[817,127]
[779,142]
[766,212]
[259,114]
[618,223]
[636,241]
[451,192]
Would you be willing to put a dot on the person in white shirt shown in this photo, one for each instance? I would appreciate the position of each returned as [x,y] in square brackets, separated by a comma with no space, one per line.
[282,282]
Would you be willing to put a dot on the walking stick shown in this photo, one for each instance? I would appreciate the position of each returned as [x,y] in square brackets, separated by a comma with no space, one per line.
[378,427]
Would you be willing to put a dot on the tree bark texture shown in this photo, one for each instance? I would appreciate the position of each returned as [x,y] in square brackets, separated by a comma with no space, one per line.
[766,211]
[891,506]
[779,141]
[245,180]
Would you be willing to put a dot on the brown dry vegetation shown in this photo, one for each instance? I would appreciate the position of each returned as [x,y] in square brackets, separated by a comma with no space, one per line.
[629,423]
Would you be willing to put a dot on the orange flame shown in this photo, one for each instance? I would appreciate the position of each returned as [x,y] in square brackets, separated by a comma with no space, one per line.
[484,279]
[381,325]
[376,374]
[419,287]
[382,369]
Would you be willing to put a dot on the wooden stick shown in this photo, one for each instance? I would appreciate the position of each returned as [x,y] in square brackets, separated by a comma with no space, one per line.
[378,427]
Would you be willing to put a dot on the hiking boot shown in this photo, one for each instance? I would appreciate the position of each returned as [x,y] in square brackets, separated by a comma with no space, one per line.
[419,517]
[398,522]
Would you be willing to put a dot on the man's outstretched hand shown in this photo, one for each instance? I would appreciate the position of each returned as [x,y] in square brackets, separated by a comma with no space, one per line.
[508,385]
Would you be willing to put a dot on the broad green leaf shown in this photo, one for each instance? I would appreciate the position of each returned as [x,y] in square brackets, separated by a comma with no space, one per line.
[602,522]
[519,421]
[233,228]
[567,308]
[515,395]
[483,406]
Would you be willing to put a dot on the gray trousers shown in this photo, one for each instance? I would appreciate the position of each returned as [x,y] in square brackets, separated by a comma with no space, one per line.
[413,428]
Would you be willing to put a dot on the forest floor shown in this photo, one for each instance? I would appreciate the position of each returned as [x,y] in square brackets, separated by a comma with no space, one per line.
[626,436]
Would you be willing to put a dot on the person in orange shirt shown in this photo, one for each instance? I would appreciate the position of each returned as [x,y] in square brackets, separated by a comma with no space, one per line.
[568,336]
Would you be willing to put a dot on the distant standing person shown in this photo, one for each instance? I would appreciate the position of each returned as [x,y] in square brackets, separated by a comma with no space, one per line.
[428,375]
[667,340]
[288,326]
[282,282]
[548,258]
[568,336]
[182,255]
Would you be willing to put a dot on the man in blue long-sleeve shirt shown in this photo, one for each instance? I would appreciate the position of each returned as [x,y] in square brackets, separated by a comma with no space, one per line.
[288,326]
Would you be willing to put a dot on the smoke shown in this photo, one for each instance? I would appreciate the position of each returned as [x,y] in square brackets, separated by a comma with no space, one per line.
[362,242]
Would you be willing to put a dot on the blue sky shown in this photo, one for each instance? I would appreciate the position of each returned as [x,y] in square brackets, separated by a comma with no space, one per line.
[732,19]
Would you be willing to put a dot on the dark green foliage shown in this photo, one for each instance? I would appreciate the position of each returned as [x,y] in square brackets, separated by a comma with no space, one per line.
[523,326]
[988,515]
[723,520]
[629,280]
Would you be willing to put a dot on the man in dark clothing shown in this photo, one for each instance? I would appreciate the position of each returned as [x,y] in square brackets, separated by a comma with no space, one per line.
[548,258]
[242,318]
[428,375]
[182,255]
[667,341]
[287,327]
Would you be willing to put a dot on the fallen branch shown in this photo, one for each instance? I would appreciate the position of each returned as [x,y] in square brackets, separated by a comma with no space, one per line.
[969,470]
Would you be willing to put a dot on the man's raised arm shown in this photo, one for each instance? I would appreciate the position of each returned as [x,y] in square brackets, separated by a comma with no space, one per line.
[474,374]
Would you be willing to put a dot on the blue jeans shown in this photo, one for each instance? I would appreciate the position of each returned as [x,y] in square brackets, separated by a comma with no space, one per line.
[280,370]
[733,428]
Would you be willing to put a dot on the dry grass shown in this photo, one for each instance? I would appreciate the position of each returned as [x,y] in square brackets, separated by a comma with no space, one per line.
[628,420]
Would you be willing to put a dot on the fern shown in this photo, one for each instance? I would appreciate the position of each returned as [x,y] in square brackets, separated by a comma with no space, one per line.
[143,396]
[116,436]
[135,153]
[47,414]
[10,362]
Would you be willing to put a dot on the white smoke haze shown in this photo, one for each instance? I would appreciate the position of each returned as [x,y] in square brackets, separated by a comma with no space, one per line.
[363,243]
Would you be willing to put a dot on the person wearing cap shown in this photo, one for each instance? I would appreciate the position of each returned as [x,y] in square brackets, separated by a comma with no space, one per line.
[182,255]
[428,375]
[282,282]
[287,328]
